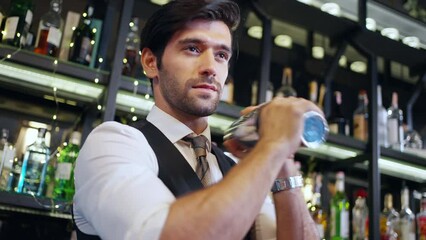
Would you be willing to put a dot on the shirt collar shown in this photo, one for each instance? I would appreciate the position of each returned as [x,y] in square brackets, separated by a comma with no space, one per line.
[172,128]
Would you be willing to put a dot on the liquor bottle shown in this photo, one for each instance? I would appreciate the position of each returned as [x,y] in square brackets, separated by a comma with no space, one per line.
[18,23]
[395,130]
[421,220]
[286,90]
[269,92]
[228,91]
[7,155]
[360,216]
[50,30]
[82,40]
[389,219]
[315,208]
[321,96]
[406,226]
[360,118]
[34,166]
[132,48]
[64,176]
[313,91]
[382,117]
[339,211]
[2,17]
[337,122]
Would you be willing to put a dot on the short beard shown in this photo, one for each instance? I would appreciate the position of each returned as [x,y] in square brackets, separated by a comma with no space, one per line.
[183,102]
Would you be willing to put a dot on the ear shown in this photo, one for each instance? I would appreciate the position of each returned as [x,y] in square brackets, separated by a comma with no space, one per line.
[149,63]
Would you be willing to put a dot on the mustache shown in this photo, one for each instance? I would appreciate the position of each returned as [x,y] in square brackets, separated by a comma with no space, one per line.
[208,79]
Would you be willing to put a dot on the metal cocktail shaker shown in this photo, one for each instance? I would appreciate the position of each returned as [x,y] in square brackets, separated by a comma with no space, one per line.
[245,129]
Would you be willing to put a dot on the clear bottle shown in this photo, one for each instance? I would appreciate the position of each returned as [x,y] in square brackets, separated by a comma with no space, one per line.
[64,175]
[421,220]
[18,23]
[313,91]
[269,92]
[315,208]
[389,219]
[382,117]
[2,17]
[50,30]
[132,48]
[337,122]
[286,89]
[34,166]
[339,211]
[82,40]
[360,216]
[395,129]
[406,226]
[7,155]
[228,91]
[360,117]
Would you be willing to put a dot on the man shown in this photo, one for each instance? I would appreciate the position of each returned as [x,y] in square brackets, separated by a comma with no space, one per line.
[121,191]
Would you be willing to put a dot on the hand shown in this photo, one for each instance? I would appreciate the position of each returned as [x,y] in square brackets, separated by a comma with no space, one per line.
[281,122]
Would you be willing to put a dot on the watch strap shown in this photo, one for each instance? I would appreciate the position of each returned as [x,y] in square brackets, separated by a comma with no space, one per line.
[282,184]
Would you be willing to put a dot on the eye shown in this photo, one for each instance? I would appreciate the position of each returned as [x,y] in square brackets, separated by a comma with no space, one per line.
[223,55]
[192,49]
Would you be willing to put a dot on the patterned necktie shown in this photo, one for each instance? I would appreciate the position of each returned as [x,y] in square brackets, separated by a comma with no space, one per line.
[199,144]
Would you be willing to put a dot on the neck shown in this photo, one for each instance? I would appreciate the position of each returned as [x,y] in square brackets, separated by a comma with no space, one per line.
[195,123]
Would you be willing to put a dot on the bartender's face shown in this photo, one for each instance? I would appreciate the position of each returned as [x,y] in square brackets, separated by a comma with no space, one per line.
[194,68]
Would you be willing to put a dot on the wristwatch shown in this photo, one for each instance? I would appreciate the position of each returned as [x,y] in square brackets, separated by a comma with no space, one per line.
[281,184]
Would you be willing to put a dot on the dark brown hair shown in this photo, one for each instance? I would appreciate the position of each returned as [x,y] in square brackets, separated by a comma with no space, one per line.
[173,16]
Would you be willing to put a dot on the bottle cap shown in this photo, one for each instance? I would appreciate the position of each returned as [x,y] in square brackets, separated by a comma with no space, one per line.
[361,193]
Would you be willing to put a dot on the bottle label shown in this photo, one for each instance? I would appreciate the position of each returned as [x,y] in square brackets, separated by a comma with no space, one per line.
[34,172]
[10,27]
[407,230]
[392,131]
[269,95]
[360,127]
[422,227]
[344,223]
[339,222]
[8,156]
[29,17]
[333,128]
[63,171]
[320,229]
[86,49]
[54,36]
[227,93]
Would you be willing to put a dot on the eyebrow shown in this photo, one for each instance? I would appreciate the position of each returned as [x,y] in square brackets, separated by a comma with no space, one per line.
[199,41]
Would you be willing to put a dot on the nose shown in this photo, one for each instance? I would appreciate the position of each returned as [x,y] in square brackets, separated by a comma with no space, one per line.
[207,67]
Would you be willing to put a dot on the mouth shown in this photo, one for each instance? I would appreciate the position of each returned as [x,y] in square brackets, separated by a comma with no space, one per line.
[205,86]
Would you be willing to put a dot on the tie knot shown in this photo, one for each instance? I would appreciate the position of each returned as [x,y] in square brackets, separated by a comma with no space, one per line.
[199,144]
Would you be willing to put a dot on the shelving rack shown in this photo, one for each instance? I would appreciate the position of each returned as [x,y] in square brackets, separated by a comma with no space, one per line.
[113,87]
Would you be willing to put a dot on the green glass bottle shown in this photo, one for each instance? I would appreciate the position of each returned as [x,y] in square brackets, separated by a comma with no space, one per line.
[64,175]
[18,23]
[339,211]
[82,40]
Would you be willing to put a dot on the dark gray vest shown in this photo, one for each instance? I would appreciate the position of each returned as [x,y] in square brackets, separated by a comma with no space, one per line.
[177,174]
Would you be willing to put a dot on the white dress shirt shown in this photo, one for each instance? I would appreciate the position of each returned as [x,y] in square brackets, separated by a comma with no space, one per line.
[118,192]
